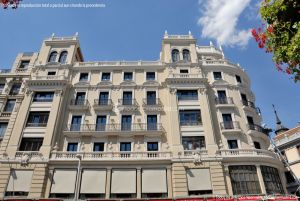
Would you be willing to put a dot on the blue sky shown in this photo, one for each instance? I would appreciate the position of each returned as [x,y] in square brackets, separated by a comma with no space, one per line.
[133,29]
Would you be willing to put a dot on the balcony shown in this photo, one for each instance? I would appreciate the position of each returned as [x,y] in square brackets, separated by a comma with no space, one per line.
[152,105]
[190,123]
[192,153]
[250,105]
[38,124]
[5,115]
[79,104]
[114,129]
[224,102]
[26,156]
[258,131]
[184,75]
[50,77]
[238,154]
[111,156]
[43,99]
[128,105]
[230,126]
[103,104]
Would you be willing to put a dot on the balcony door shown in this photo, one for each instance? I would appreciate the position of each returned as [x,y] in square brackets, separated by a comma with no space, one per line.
[103,98]
[76,123]
[222,97]
[101,123]
[227,119]
[151,97]
[80,97]
[127,98]
[126,123]
[152,122]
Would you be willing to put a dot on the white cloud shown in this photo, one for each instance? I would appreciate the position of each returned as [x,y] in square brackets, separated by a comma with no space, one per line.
[219,21]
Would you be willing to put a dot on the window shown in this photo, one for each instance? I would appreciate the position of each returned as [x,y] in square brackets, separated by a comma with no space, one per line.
[3,126]
[43,97]
[152,146]
[152,122]
[103,98]
[250,120]
[193,142]
[10,104]
[298,148]
[238,79]
[98,146]
[76,123]
[232,144]
[244,99]
[289,177]
[105,77]
[186,55]
[244,179]
[80,98]
[31,144]
[125,146]
[73,146]
[128,76]
[37,119]
[127,98]
[52,57]
[184,71]
[51,73]
[150,76]
[24,64]
[101,123]
[2,85]
[256,145]
[175,55]
[222,98]
[227,121]
[187,95]
[15,89]
[151,97]
[217,75]
[63,57]
[126,123]
[83,77]
[272,180]
[190,117]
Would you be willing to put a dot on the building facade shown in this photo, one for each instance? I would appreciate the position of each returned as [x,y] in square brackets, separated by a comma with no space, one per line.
[185,125]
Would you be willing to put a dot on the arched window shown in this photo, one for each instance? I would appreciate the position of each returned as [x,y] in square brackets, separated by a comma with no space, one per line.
[52,57]
[186,55]
[63,57]
[175,55]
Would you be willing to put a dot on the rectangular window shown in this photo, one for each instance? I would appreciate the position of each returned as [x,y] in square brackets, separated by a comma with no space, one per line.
[37,119]
[150,76]
[152,146]
[43,97]
[51,73]
[193,142]
[217,75]
[31,144]
[127,98]
[125,146]
[83,77]
[128,76]
[103,98]
[151,97]
[272,180]
[232,144]
[2,85]
[126,123]
[76,123]
[98,146]
[190,117]
[250,120]
[3,127]
[101,123]
[24,64]
[73,146]
[256,145]
[184,71]
[15,89]
[10,104]
[227,121]
[151,122]
[222,98]
[238,79]
[187,94]
[244,180]
[80,98]
[105,77]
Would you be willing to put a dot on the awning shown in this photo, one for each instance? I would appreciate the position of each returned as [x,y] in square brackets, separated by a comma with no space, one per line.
[93,181]
[220,199]
[20,180]
[283,198]
[64,181]
[198,179]
[154,181]
[123,181]
[190,199]
[248,198]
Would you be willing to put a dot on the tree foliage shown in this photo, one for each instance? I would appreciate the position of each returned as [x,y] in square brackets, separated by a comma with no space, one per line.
[280,34]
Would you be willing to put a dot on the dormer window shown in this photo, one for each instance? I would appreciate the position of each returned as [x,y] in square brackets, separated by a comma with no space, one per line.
[52,57]
[186,55]
[24,64]
[175,55]
[63,57]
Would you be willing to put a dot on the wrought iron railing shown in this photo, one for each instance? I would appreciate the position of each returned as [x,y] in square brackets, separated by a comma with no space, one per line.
[258,128]
[152,102]
[103,102]
[224,100]
[79,102]
[127,102]
[230,125]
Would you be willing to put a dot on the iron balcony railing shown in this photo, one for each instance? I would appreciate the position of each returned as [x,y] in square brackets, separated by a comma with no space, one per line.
[127,102]
[103,102]
[79,102]
[229,125]
[258,128]
[151,102]
[185,75]
[190,123]
[187,97]
[40,99]
[39,124]
[114,127]
[224,100]
[14,92]
[248,103]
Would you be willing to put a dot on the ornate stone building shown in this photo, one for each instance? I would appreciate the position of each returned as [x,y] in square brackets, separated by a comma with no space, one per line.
[184,125]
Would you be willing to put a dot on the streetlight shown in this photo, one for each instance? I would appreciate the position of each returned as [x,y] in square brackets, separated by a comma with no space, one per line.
[79,156]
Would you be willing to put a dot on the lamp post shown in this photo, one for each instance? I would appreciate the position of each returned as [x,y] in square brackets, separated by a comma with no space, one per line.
[78,177]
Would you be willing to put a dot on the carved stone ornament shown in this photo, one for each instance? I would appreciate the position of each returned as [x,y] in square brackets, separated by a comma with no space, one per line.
[29,92]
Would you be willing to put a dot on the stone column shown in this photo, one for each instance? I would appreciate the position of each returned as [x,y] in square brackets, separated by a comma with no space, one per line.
[228,181]
[138,183]
[260,179]
[108,183]
[169,182]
